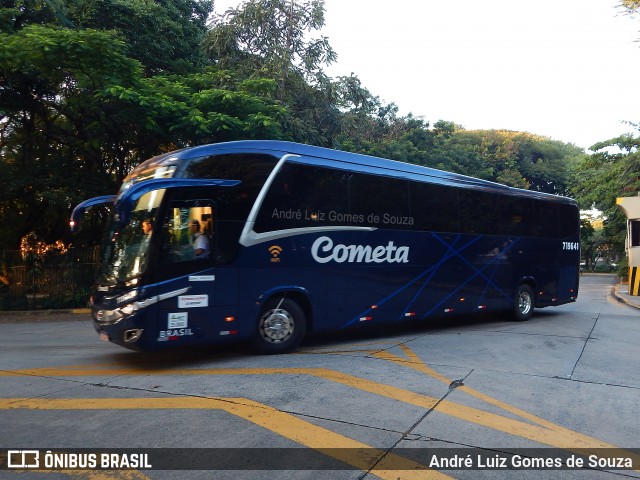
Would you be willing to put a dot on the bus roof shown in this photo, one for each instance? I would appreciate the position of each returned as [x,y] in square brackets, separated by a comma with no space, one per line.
[375,165]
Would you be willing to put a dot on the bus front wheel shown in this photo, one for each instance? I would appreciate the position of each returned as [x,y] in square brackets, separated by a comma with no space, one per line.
[523,303]
[281,327]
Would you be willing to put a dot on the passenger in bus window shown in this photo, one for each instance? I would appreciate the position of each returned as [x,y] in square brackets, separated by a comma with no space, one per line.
[200,241]
[147,227]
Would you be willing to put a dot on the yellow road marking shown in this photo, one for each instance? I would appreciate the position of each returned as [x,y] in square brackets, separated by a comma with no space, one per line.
[417,364]
[545,432]
[555,435]
[344,449]
[535,428]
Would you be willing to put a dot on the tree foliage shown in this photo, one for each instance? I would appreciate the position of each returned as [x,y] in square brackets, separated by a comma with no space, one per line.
[516,159]
[16,14]
[612,171]
[524,160]
[169,111]
[77,113]
[54,129]
[165,36]
[268,37]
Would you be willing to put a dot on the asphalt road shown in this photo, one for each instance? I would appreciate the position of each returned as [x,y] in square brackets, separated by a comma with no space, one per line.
[375,404]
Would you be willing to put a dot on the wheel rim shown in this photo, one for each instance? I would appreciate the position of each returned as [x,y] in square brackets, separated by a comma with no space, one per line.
[525,303]
[277,326]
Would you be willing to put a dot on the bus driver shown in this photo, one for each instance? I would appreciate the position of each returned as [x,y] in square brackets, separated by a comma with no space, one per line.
[199,241]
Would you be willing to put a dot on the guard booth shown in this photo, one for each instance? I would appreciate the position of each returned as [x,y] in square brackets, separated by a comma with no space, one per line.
[631,208]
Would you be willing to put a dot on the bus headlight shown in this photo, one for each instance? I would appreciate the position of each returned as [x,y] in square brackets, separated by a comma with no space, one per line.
[114,316]
[107,316]
[129,309]
[127,297]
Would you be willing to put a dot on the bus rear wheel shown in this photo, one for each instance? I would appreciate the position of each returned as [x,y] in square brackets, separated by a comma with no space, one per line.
[281,327]
[523,303]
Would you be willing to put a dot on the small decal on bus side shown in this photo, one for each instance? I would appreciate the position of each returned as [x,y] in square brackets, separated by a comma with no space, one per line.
[570,246]
[275,251]
[178,320]
[202,278]
[193,301]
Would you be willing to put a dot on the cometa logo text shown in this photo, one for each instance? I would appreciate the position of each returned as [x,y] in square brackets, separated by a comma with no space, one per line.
[324,251]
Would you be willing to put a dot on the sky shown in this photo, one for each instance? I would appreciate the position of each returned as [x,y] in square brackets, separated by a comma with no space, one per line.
[565,69]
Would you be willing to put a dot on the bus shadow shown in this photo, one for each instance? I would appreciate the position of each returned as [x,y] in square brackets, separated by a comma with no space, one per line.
[182,357]
[193,356]
[418,328]
[392,331]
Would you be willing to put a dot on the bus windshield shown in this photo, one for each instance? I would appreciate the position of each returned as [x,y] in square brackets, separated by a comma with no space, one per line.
[126,247]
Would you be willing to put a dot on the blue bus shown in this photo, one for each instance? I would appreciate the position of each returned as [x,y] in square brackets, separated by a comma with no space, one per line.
[267,240]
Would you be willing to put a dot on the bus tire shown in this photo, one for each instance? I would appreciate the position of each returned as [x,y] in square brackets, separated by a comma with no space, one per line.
[280,328]
[523,303]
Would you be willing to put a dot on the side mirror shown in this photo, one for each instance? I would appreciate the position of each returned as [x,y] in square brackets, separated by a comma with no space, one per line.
[78,211]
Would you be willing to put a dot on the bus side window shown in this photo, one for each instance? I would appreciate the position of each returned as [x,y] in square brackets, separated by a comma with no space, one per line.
[516,216]
[479,212]
[304,196]
[188,231]
[434,207]
[547,222]
[380,202]
[568,220]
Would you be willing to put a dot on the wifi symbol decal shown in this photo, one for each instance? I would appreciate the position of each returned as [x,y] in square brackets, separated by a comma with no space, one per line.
[275,252]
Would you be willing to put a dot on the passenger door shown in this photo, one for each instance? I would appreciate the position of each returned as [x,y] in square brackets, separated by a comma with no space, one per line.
[186,270]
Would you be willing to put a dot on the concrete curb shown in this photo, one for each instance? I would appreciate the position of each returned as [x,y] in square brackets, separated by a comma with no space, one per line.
[44,315]
[622,298]
[65,311]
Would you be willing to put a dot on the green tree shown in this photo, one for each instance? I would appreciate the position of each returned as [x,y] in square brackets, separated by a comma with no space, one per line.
[16,14]
[75,127]
[516,159]
[587,233]
[521,159]
[170,111]
[163,35]
[612,171]
[54,134]
[268,38]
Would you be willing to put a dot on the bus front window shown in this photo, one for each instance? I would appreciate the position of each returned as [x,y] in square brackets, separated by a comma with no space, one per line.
[126,249]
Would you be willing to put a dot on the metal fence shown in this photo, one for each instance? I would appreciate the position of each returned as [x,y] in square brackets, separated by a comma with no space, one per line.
[60,281]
